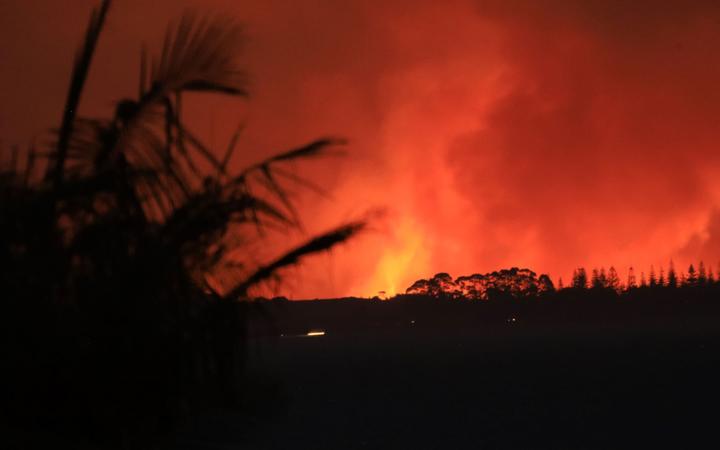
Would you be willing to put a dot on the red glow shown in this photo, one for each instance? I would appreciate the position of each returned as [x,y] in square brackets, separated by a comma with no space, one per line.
[496,133]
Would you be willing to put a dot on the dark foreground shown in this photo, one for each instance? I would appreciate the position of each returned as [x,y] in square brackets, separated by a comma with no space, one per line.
[504,384]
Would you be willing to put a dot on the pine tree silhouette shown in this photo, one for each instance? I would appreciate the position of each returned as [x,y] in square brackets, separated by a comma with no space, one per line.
[631,282]
[603,278]
[652,281]
[702,274]
[672,276]
[613,280]
[595,282]
[580,279]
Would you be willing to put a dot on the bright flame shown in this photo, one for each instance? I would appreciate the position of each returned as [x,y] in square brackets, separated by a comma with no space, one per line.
[316,333]
[401,263]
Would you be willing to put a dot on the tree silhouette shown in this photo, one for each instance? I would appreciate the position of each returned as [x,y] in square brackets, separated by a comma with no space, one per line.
[580,279]
[545,284]
[631,282]
[505,283]
[652,280]
[128,263]
[613,280]
[692,278]
[672,276]
[702,274]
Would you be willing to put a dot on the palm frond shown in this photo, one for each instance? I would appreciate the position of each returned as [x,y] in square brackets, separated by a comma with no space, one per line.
[300,181]
[201,55]
[209,214]
[269,182]
[118,242]
[203,150]
[318,244]
[30,165]
[142,87]
[77,84]
[232,145]
[311,150]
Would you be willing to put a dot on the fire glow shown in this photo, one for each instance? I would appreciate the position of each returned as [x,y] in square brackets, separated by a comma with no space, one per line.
[497,134]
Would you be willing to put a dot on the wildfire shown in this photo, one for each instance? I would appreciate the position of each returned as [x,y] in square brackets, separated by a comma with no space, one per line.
[400,263]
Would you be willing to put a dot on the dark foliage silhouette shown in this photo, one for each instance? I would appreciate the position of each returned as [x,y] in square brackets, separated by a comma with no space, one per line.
[517,283]
[124,283]
[513,282]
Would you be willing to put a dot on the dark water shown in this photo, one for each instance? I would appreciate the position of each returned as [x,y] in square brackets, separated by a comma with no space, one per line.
[435,390]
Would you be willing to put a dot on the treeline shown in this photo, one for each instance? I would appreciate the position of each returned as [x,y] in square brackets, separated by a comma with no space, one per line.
[602,279]
[518,283]
[514,282]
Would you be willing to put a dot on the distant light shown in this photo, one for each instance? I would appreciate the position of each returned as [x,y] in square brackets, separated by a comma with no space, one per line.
[316,333]
[412,322]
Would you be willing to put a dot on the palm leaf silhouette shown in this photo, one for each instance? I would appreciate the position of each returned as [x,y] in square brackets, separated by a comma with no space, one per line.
[319,243]
[77,83]
[110,252]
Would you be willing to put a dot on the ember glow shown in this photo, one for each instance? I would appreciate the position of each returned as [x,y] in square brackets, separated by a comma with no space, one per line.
[495,133]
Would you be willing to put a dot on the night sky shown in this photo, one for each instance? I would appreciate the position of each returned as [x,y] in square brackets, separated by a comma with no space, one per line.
[498,133]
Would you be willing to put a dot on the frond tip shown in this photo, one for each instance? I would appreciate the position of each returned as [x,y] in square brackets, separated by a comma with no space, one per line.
[317,244]
[201,55]
[83,59]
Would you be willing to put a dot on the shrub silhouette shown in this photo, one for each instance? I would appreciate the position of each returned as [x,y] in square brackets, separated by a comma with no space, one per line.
[122,304]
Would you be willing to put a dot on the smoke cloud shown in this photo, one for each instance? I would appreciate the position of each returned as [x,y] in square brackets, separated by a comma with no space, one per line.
[495,133]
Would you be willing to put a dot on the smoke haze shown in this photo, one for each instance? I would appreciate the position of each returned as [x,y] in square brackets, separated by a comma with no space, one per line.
[494,133]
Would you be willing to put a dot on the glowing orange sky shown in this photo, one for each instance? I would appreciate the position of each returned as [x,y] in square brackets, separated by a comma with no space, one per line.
[496,133]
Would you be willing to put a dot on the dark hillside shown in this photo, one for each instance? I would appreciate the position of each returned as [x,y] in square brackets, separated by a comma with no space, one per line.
[569,372]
